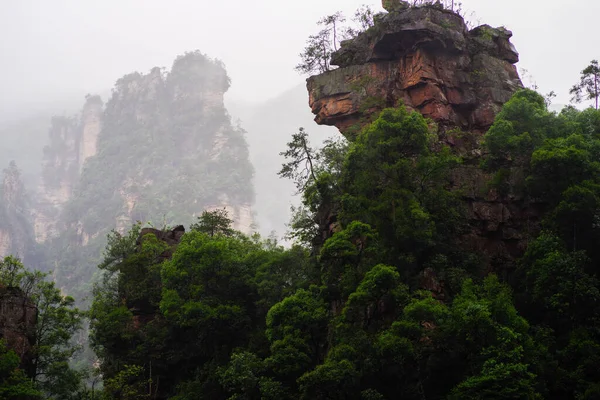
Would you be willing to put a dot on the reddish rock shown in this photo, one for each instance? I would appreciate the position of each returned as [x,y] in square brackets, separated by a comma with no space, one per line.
[424,57]
[427,59]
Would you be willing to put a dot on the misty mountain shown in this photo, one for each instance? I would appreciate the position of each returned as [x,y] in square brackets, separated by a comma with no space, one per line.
[269,128]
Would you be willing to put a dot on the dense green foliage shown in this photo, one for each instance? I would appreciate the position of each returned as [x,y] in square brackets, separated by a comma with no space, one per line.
[379,298]
[14,383]
[344,315]
[57,320]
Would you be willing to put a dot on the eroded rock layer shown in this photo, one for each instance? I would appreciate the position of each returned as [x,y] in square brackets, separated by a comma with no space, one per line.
[426,58]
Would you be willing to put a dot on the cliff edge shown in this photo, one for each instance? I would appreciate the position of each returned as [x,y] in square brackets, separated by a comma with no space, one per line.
[425,57]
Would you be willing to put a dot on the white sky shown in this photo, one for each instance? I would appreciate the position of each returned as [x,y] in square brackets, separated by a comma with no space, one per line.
[56,48]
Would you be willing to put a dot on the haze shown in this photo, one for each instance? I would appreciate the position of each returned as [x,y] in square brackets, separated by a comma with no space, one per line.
[55,52]
[52,50]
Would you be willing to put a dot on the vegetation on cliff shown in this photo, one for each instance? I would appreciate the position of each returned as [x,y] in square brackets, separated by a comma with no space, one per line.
[387,303]
[34,360]
[16,223]
[167,150]
[429,262]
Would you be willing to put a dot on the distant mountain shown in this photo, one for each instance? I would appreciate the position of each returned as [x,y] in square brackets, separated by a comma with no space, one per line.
[269,128]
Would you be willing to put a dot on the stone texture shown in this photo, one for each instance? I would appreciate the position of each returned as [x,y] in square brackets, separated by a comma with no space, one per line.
[394,5]
[500,226]
[424,57]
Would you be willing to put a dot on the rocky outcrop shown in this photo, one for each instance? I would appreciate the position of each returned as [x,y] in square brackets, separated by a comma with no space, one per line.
[424,57]
[171,237]
[18,317]
[427,59]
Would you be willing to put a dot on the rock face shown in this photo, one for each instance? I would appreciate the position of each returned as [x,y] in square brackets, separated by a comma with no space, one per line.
[17,323]
[59,175]
[91,125]
[500,226]
[424,57]
[427,59]
[16,228]
[72,141]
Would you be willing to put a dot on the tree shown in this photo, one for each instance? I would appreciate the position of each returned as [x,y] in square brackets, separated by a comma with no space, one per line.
[295,328]
[363,19]
[588,87]
[301,165]
[129,384]
[317,53]
[518,129]
[320,47]
[14,384]
[213,223]
[57,321]
[395,183]
[316,176]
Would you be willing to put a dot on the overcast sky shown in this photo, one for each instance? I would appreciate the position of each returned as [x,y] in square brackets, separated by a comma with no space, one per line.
[53,49]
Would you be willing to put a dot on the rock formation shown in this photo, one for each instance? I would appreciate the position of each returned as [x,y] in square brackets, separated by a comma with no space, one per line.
[72,141]
[424,57]
[162,150]
[91,125]
[171,237]
[59,175]
[427,59]
[16,230]
[17,323]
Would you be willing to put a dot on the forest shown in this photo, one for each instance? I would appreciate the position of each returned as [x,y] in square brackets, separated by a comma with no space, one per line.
[229,316]
[386,290]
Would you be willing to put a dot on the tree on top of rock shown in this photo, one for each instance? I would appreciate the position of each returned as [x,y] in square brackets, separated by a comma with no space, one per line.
[319,48]
[589,84]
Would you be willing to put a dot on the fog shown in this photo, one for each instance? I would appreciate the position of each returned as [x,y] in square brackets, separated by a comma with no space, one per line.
[68,47]
[55,52]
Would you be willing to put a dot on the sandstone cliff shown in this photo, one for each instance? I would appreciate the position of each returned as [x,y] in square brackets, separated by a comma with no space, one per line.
[71,142]
[427,59]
